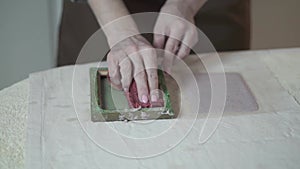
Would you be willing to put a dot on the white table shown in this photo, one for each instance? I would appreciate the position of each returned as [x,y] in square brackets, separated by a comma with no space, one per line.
[268,138]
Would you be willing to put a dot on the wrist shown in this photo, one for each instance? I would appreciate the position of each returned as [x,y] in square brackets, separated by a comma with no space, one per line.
[119,30]
[114,37]
[183,8]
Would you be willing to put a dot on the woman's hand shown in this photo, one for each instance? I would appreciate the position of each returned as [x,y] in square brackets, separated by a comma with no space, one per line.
[134,58]
[175,31]
[131,56]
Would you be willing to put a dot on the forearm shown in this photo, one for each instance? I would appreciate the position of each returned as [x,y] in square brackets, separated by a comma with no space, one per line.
[107,13]
[188,7]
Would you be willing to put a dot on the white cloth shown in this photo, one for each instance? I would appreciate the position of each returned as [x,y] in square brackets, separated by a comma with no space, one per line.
[267,138]
[13,116]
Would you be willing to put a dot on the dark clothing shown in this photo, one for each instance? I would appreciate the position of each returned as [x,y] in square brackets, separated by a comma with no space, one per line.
[225,22]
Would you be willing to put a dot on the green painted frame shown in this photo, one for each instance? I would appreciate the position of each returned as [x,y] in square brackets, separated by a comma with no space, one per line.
[102,115]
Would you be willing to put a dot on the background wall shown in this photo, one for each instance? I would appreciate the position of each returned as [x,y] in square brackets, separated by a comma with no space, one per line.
[27,40]
[275,23]
[28,33]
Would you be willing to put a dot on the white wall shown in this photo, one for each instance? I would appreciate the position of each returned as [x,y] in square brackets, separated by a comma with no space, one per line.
[26,38]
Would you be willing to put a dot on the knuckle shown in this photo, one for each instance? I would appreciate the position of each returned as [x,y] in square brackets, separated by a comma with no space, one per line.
[113,75]
[145,47]
[115,80]
[159,38]
[137,62]
[132,48]
[111,59]
[150,62]
[160,41]
[141,75]
[113,52]
[169,45]
[151,52]
[180,25]
[185,52]
[125,63]
[125,70]
[175,48]
[152,74]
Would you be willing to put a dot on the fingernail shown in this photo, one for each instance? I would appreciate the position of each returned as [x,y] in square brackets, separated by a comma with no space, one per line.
[144,99]
[154,98]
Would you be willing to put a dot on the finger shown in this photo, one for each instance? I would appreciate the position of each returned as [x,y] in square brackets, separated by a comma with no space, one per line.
[114,71]
[126,73]
[140,77]
[183,51]
[150,62]
[170,51]
[159,41]
[190,39]
[172,46]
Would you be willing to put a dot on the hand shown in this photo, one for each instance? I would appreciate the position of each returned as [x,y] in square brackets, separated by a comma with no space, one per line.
[176,21]
[134,58]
